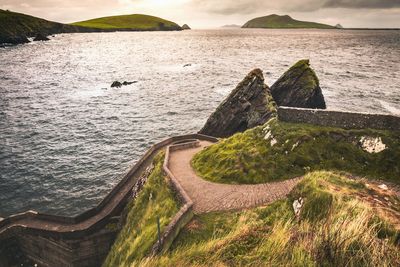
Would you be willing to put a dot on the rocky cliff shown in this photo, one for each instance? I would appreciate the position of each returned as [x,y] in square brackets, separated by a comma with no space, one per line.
[249,105]
[252,103]
[299,87]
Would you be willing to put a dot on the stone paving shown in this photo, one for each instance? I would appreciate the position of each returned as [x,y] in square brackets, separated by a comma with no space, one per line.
[208,196]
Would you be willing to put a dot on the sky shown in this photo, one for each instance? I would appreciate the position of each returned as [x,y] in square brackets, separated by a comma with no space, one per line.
[216,13]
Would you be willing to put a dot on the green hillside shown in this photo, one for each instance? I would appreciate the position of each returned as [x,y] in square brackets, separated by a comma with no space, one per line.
[135,22]
[279,150]
[16,27]
[283,22]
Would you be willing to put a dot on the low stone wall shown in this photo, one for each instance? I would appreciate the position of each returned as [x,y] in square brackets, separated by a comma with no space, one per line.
[63,241]
[347,120]
[185,214]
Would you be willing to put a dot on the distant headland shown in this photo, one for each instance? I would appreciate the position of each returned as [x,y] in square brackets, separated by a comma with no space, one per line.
[16,28]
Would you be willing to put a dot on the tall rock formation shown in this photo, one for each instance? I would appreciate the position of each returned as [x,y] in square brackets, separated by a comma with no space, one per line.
[299,87]
[249,105]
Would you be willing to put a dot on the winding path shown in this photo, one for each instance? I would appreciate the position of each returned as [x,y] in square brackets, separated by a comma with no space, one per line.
[208,196]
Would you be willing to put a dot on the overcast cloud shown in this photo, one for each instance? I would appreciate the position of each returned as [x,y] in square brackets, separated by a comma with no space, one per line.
[214,13]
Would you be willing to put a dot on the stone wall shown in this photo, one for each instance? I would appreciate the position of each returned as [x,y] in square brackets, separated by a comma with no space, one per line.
[347,120]
[84,240]
[185,214]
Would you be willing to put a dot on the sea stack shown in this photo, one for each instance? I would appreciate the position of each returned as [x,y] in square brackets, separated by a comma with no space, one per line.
[186,27]
[299,87]
[248,106]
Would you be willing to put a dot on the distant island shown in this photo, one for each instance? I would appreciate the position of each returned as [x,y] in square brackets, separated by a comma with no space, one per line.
[283,22]
[16,28]
[135,22]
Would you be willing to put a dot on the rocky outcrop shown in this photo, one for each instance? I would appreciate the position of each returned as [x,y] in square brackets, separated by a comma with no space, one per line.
[249,105]
[186,27]
[299,87]
[41,37]
[118,84]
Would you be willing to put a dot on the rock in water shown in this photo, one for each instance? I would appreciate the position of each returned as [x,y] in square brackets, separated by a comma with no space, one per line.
[246,107]
[186,27]
[116,84]
[299,87]
[41,37]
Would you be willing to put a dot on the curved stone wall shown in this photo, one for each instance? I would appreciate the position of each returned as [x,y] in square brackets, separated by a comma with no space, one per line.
[61,230]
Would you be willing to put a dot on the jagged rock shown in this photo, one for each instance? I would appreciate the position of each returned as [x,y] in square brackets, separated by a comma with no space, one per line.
[186,27]
[299,87]
[41,37]
[116,84]
[246,107]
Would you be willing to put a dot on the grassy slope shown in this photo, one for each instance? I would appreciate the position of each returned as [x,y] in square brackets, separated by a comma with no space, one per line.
[249,158]
[136,21]
[283,22]
[336,227]
[140,231]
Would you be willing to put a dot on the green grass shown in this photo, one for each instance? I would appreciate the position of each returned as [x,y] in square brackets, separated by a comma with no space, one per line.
[247,158]
[134,22]
[139,233]
[341,230]
[283,22]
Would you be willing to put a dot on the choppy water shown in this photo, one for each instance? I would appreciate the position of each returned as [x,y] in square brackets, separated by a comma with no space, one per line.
[66,137]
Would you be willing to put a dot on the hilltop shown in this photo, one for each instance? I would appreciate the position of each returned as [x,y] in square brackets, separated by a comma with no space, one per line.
[283,22]
[135,22]
[15,28]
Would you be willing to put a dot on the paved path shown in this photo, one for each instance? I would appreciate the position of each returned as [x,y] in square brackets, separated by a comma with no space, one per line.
[208,196]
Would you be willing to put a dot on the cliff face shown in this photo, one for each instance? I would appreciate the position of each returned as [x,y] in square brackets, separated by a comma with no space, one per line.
[248,105]
[299,87]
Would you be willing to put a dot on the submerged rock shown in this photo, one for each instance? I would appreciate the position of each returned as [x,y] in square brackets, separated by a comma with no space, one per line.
[248,106]
[41,37]
[299,87]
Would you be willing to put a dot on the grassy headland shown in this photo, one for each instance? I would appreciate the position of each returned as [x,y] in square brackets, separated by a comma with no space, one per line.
[279,150]
[139,233]
[135,22]
[339,225]
[283,22]
[16,27]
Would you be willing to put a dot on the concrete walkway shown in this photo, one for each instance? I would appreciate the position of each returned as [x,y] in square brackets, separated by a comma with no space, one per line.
[208,196]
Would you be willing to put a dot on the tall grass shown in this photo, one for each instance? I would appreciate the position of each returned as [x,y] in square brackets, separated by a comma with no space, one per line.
[348,232]
[248,158]
[140,231]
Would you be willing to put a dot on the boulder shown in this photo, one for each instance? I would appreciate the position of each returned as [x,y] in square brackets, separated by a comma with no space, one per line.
[40,37]
[249,105]
[299,87]
[186,27]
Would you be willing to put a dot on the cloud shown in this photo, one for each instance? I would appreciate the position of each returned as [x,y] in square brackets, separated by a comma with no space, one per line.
[229,7]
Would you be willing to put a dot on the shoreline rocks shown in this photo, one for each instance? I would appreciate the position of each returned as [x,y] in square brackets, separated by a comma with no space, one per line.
[40,37]
[186,27]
